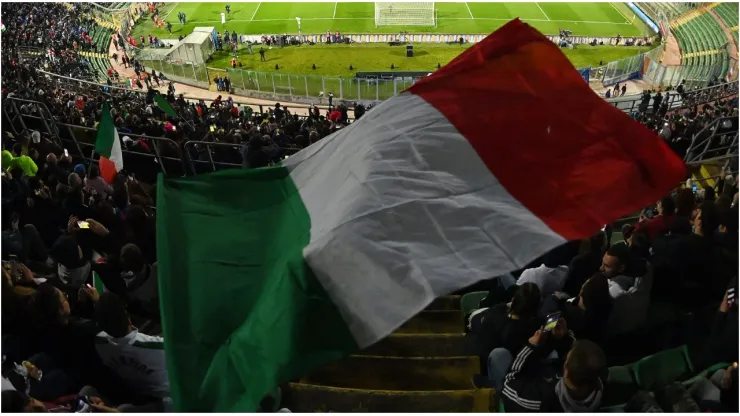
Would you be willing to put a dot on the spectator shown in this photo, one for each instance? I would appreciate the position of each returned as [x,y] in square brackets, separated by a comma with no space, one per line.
[137,358]
[587,314]
[584,265]
[629,285]
[661,223]
[498,332]
[140,279]
[95,182]
[550,276]
[531,387]
[22,161]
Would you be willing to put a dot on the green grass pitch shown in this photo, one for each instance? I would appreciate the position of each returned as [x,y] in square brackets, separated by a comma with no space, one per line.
[583,19]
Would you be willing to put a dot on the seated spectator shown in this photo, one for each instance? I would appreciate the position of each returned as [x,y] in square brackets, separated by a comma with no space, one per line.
[532,386]
[661,223]
[96,182]
[629,285]
[587,314]
[73,268]
[504,327]
[584,265]
[719,392]
[86,401]
[66,339]
[137,358]
[142,290]
[549,277]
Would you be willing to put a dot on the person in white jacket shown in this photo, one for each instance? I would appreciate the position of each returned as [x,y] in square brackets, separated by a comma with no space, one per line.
[630,282]
[139,359]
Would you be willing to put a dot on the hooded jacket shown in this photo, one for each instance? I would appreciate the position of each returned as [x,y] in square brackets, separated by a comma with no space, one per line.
[528,389]
[631,294]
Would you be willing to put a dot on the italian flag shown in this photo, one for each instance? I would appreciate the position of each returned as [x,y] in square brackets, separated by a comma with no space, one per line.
[504,154]
[131,82]
[108,146]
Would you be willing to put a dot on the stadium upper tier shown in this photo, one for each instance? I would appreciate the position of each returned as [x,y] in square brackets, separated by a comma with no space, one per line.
[669,9]
[702,41]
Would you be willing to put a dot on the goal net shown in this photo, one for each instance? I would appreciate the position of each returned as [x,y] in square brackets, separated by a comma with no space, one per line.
[400,13]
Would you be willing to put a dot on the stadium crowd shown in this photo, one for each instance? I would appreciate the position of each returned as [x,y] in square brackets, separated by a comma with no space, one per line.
[67,347]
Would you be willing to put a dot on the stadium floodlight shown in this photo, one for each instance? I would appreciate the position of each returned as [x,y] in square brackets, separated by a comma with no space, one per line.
[401,13]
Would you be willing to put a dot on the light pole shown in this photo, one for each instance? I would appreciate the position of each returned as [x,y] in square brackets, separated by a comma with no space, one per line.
[298,19]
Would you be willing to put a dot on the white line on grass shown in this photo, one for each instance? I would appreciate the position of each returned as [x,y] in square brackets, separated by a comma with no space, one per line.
[334,16]
[171,10]
[446,18]
[543,12]
[253,14]
[626,19]
[471,13]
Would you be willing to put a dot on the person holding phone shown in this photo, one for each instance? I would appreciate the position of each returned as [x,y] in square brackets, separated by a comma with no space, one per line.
[532,386]
[661,223]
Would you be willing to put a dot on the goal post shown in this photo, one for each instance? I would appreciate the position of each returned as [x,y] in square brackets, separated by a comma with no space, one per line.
[402,13]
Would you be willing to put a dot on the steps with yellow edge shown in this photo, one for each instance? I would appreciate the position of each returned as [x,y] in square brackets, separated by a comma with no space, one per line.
[305,398]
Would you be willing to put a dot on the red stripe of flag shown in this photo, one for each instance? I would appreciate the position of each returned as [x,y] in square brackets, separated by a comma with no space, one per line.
[517,98]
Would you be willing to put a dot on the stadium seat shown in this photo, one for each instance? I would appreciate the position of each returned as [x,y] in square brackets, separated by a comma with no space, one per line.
[305,398]
[470,301]
[662,368]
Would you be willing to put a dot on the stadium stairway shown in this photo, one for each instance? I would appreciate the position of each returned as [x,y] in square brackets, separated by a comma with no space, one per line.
[422,367]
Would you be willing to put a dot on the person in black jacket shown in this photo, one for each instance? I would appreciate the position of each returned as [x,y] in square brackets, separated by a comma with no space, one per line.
[587,314]
[532,387]
[497,333]
[584,265]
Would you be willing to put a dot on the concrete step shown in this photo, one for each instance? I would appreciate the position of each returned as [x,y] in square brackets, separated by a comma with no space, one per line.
[445,303]
[419,345]
[434,322]
[308,398]
[397,373]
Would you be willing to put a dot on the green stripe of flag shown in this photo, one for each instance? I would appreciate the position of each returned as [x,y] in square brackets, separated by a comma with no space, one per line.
[164,105]
[106,133]
[281,323]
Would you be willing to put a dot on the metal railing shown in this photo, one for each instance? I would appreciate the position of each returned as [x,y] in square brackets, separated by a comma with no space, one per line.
[718,141]
[631,104]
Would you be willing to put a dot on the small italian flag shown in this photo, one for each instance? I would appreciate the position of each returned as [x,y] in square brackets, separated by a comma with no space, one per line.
[108,146]
[131,82]
[2,27]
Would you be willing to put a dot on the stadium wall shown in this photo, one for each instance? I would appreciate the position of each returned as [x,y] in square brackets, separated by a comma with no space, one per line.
[642,15]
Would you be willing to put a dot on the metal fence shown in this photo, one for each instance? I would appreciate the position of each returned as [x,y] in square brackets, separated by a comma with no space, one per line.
[184,73]
[674,100]
[315,87]
[717,142]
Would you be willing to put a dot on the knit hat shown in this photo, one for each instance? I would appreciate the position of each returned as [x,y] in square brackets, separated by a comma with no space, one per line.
[80,169]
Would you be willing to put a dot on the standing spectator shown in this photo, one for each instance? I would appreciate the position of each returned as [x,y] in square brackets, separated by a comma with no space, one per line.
[262,55]
[22,161]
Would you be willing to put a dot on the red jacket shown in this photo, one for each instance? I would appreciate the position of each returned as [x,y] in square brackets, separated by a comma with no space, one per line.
[656,226]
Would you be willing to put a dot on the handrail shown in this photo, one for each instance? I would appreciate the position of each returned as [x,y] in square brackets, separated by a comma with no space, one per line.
[698,149]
